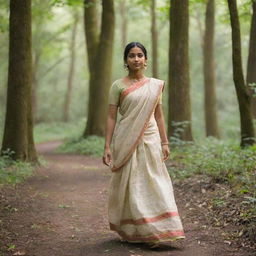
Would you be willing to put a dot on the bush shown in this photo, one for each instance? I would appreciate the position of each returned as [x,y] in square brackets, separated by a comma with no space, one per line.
[92,145]
[12,172]
[224,162]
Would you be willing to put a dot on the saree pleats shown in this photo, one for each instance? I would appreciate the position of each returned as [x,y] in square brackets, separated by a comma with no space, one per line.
[142,207]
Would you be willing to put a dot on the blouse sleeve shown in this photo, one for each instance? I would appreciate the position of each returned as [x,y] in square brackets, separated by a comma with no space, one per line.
[114,94]
[160,101]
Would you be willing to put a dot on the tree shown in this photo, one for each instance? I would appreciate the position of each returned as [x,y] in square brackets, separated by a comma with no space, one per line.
[179,81]
[18,130]
[209,72]
[99,51]
[251,64]
[154,38]
[244,99]
[71,68]
[124,23]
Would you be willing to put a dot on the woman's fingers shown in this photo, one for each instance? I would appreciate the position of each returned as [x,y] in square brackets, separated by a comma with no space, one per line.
[107,159]
[166,153]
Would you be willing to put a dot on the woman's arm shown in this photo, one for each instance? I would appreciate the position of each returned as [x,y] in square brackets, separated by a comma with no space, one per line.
[159,116]
[110,126]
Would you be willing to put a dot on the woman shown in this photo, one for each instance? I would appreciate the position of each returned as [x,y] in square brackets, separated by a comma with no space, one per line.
[142,207]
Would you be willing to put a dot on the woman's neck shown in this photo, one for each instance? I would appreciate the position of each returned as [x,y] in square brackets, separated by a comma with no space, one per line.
[136,75]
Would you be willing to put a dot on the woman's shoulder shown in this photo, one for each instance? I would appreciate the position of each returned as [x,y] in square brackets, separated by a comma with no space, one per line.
[157,81]
[118,82]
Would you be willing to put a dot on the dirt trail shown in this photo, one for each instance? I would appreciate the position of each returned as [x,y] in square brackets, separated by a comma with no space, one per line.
[62,211]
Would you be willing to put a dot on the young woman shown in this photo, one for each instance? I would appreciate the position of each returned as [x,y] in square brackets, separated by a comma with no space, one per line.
[142,207]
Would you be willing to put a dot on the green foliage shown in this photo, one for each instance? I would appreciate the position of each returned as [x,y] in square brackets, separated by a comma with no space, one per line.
[58,130]
[222,161]
[179,128]
[92,145]
[253,88]
[61,3]
[12,172]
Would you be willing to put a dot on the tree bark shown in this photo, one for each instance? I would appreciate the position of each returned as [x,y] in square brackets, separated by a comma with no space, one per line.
[211,121]
[244,100]
[100,75]
[71,69]
[18,130]
[154,38]
[124,23]
[35,84]
[179,81]
[251,64]
[91,31]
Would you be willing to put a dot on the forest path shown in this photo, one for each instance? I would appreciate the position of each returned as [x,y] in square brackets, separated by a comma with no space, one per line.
[62,211]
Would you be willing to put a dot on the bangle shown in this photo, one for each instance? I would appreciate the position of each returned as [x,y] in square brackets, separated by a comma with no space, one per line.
[165,143]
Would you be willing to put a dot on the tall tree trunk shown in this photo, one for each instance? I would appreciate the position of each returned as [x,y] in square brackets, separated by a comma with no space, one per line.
[209,72]
[244,101]
[35,84]
[18,131]
[251,64]
[71,70]
[91,32]
[179,91]
[154,39]
[123,11]
[100,77]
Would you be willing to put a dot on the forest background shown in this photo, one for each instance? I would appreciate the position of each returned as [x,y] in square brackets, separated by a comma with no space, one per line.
[62,97]
[52,29]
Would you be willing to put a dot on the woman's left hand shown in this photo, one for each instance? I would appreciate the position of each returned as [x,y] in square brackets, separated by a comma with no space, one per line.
[166,152]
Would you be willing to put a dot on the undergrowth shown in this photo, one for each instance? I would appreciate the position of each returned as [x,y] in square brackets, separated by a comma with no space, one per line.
[13,172]
[222,161]
[59,130]
[92,145]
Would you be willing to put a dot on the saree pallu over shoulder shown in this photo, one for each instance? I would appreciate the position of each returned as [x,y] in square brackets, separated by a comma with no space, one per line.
[137,104]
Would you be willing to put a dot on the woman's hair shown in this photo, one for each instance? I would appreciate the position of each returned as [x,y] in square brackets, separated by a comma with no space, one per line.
[132,45]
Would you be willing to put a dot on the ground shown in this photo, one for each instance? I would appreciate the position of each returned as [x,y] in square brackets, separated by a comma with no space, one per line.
[62,211]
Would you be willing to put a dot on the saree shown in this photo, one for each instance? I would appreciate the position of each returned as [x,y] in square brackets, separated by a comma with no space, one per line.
[141,205]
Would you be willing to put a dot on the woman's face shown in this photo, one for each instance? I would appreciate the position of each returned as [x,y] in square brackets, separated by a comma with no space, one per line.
[136,59]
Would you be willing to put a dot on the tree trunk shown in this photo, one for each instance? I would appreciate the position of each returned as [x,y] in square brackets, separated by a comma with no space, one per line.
[71,70]
[18,130]
[91,31]
[35,84]
[179,91]
[244,101]
[251,64]
[209,73]
[122,9]
[100,77]
[154,38]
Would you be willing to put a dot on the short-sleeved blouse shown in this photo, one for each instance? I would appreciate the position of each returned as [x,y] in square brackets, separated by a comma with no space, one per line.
[116,89]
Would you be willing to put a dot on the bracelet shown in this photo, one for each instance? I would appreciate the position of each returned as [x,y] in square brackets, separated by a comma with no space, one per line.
[165,143]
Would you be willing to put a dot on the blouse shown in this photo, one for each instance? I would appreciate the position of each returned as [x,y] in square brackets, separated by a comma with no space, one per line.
[115,91]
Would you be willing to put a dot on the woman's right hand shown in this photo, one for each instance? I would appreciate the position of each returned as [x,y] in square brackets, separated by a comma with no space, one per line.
[107,157]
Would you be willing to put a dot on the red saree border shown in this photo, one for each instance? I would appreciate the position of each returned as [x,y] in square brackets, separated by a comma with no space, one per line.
[133,87]
[116,168]
[150,220]
[171,234]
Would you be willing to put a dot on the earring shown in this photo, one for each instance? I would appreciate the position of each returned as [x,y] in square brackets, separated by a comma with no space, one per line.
[145,65]
[126,67]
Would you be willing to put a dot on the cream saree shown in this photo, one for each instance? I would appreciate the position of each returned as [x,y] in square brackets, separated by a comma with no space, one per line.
[141,203]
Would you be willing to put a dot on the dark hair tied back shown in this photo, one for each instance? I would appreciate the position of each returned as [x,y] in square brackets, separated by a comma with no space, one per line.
[132,45]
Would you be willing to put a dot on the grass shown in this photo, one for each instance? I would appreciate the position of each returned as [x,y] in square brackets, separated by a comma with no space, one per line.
[223,161]
[92,145]
[13,172]
[58,130]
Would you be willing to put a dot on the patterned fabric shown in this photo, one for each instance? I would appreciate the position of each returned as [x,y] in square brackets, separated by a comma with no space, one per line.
[142,207]
[115,91]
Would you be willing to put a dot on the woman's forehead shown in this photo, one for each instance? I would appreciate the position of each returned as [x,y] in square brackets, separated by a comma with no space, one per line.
[135,50]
